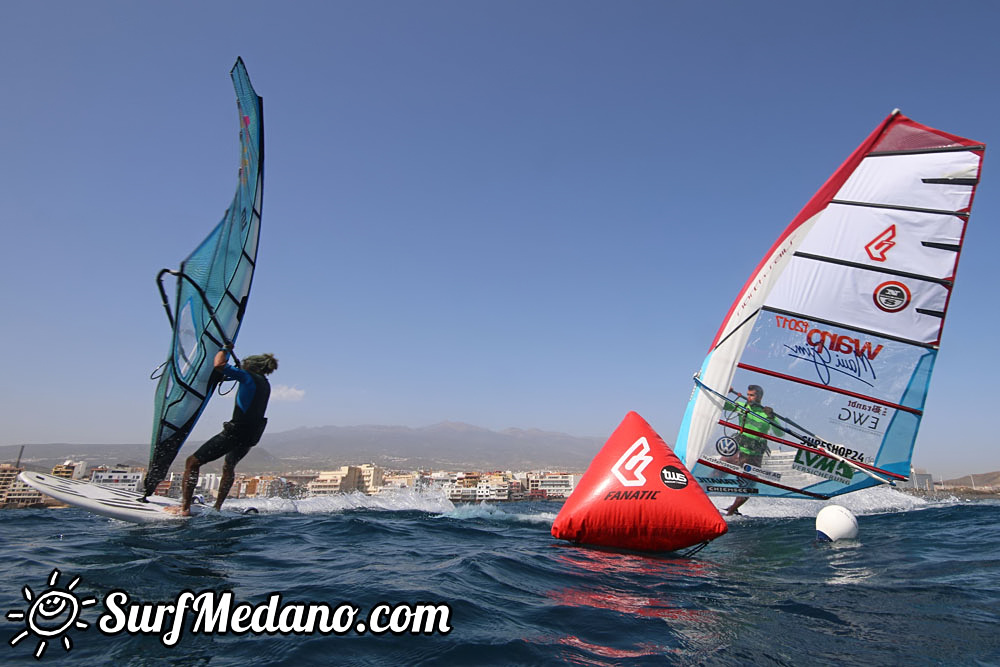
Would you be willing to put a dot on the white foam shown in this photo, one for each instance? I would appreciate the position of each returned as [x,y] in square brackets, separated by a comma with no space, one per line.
[392,501]
[876,500]
[485,510]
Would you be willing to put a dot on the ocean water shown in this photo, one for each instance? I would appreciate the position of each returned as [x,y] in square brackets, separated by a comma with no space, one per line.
[920,586]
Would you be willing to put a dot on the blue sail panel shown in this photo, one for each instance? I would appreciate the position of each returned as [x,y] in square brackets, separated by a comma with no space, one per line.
[213,285]
[832,390]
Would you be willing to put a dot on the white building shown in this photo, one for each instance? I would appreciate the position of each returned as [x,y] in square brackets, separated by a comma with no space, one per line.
[371,478]
[329,482]
[128,478]
[438,480]
[208,484]
[492,490]
[461,494]
[71,470]
[15,492]
[552,484]
[399,480]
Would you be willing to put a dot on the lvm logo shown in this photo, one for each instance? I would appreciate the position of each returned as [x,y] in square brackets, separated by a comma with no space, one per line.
[823,466]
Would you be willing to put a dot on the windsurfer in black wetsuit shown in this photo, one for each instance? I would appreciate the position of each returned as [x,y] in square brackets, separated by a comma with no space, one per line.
[239,434]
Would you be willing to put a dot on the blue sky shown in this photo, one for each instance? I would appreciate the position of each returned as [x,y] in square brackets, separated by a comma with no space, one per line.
[512,214]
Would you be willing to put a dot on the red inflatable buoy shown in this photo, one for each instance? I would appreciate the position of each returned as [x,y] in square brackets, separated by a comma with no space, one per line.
[637,495]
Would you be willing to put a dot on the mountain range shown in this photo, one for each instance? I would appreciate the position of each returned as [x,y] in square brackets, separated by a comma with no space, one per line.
[978,480]
[443,446]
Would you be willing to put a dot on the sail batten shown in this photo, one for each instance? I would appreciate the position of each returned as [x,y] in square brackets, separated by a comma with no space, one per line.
[812,450]
[213,284]
[899,207]
[824,387]
[836,332]
[714,465]
[919,151]
[866,332]
[858,265]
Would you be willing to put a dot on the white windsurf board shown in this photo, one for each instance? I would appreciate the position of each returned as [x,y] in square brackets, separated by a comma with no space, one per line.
[105,500]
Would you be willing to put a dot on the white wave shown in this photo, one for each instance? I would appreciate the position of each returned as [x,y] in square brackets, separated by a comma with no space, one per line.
[876,500]
[485,510]
[393,501]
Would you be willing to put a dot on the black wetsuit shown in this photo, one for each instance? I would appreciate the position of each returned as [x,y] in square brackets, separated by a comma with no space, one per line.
[247,426]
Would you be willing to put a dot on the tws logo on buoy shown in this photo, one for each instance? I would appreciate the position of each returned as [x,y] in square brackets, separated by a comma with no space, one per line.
[51,615]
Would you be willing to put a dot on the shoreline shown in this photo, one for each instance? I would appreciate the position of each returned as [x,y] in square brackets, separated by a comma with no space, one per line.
[961,492]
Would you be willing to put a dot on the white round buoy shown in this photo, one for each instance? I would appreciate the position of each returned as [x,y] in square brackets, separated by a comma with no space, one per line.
[835,523]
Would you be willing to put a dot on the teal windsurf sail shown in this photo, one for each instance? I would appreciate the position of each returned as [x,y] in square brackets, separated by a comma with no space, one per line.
[836,332]
[213,285]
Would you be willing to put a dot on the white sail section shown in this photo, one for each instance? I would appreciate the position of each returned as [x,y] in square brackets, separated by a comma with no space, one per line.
[893,238]
[908,308]
[838,327]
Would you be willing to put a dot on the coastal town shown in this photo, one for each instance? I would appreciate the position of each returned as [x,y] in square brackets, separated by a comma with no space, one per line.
[367,479]
[372,480]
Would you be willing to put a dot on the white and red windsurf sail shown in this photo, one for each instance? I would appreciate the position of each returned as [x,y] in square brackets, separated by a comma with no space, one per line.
[839,325]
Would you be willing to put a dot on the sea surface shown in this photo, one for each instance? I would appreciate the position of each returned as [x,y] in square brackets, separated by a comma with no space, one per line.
[919,586]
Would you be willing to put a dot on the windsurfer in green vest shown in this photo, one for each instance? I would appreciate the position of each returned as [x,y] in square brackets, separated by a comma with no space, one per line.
[757,420]
[239,434]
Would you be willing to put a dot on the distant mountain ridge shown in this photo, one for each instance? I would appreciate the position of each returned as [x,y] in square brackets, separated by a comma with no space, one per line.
[977,480]
[449,445]
[446,445]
